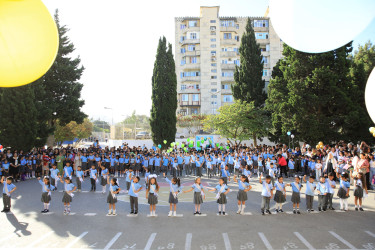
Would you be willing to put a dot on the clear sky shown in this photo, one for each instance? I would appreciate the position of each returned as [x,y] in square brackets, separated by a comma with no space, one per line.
[117,41]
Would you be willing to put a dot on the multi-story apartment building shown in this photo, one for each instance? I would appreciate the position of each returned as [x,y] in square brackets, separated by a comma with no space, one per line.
[206,55]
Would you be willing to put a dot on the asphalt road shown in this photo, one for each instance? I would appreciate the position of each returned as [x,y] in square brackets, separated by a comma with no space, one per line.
[88,226]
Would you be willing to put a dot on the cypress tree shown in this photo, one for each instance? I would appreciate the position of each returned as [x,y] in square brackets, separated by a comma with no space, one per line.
[249,84]
[18,123]
[164,95]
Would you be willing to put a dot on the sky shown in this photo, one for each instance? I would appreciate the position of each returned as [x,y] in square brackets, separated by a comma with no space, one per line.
[117,40]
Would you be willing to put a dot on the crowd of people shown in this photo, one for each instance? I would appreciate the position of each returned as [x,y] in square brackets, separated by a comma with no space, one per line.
[345,163]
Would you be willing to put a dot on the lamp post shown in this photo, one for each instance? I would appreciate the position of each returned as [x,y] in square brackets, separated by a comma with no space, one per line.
[289,133]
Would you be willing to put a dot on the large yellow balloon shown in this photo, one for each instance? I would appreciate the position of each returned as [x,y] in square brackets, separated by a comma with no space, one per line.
[29,41]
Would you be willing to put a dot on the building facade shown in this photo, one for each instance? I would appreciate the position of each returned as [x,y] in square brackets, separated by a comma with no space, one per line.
[206,53]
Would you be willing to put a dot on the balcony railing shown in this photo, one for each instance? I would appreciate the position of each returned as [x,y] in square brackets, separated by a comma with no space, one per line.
[189,90]
[227,78]
[191,79]
[191,66]
[228,66]
[191,29]
[229,53]
[190,103]
[229,29]
[190,41]
[192,53]
[229,42]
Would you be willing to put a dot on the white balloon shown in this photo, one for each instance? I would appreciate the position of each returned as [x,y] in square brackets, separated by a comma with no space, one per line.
[316,26]
[370,95]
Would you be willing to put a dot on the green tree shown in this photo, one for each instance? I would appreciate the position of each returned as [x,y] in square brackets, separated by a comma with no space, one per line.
[164,95]
[191,122]
[58,92]
[249,84]
[99,125]
[238,122]
[72,130]
[312,97]
[18,123]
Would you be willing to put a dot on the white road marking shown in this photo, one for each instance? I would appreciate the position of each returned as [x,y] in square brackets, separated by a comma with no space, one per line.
[265,241]
[152,215]
[89,214]
[150,240]
[342,240]
[227,242]
[40,239]
[132,215]
[76,240]
[198,215]
[189,236]
[108,246]
[339,211]
[371,234]
[304,241]
[247,213]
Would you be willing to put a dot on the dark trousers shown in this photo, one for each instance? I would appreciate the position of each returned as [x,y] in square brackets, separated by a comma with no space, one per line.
[283,170]
[199,171]
[328,200]
[93,184]
[309,201]
[180,168]
[79,184]
[322,201]
[133,204]
[6,202]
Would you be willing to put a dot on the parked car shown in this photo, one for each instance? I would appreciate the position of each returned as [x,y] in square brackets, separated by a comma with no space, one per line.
[142,135]
[181,136]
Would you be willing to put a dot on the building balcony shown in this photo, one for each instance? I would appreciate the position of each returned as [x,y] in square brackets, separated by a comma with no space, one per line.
[261,29]
[265,53]
[228,29]
[192,53]
[189,90]
[191,29]
[228,66]
[228,42]
[263,41]
[190,41]
[228,53]
[227,79]
[191,79]
[226,91]
[190,103]
[191,66]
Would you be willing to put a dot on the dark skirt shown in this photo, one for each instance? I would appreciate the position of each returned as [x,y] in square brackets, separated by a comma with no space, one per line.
[296,198]
[45,197]
[358,192]
[198,198]
[103,181]
[242,195]
[110,199]
[342,193]
[222,199]
[172,199]
[152,199]
[67,198]
[138,166]
[279,197]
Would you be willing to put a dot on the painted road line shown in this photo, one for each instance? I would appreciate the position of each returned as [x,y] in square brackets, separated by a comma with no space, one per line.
[227,242]
[189,236]
[152,215]
[108,246]
[76,240]
[40,239]
[304,241]
[247,213]
[342,240]
[89,214]
[265,241]
[371,234]
[150,240]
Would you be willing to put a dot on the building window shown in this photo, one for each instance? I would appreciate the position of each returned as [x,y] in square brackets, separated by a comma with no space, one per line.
[185,98]
[265,72]
[228,98]
[267,47]
[190,73]
[183,62]
[193,36]
[193,23]
[237,26]
[182,38]
[227,73]
[213,90]
[260,23]
[195,98]
[227,23]
[191,47]
[213,45]
[213,103]
[265,59]
[213,96]
[212,21]
[213,28]
[197,86]
[213,39]
[183,87]
[183,26]
[213,33]
[227,35]
[235,50]
[213,70]
[182,50]
[237,38]
[225,86]
[194,111]
[213,64]
[261,35]
[213,77]
[237,62]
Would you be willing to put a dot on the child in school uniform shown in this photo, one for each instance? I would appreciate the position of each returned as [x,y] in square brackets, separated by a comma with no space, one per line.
[68,170]
[104,178]
[243,188]
[152,194]
[174,167]
[55,176]
[79,178]
[198,195]
[135,187]
[93,177]
[310,192]
[8,189]
[46,193]
[271,172]
[331,185]
[69,188]
[280,195]
[321,189]
[222,191]
[129,177]
[343,192]
[318,169]
[174,189]
[296,197]
[114,189]
[267,193]
[225,174]
[359,188]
